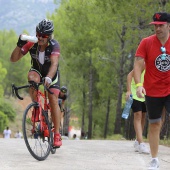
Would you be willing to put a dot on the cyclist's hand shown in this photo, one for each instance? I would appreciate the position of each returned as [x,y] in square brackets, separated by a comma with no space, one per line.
[20,42]
[48,81]
[140,92]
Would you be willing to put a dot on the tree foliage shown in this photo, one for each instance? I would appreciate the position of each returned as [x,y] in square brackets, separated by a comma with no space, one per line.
[98,40]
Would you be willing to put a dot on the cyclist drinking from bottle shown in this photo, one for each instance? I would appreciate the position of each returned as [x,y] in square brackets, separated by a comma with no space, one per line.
[45,62]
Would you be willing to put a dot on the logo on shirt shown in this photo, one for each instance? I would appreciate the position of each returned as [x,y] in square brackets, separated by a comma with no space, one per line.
[163,64]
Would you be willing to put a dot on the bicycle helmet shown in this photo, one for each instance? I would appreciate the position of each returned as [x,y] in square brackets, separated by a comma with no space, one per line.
[63,89]
[45,27]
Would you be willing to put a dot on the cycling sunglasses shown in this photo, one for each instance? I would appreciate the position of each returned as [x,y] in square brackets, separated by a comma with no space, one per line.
[163,50]
[42,35]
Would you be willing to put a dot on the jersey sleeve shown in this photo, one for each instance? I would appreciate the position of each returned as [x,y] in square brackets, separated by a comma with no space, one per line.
[141,50]
[55,49]
[26,47]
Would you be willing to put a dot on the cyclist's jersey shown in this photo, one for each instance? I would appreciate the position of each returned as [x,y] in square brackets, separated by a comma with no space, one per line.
[52,48]
[157,75]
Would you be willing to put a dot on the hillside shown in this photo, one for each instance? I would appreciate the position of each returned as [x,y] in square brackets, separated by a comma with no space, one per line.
[22,15]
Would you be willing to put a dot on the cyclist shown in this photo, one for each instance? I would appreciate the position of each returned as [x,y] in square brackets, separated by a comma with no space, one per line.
[61,101]
[45,62]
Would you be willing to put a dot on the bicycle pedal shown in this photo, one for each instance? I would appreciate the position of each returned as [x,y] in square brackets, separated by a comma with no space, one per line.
[56,147]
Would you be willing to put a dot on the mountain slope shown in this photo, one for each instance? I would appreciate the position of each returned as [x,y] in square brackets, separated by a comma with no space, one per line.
[22,15]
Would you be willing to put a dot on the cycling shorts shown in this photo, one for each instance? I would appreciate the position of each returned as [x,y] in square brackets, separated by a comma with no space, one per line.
[155,107]
[138,106]
[55,82]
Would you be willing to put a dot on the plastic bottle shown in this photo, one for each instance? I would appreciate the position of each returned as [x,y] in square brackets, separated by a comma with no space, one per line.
[29,38]
[127,108]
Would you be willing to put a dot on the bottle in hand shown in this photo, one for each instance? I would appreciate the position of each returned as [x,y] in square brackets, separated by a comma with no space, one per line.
[127,108]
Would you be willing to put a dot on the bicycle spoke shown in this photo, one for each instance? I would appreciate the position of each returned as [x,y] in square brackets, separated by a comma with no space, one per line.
[38,145]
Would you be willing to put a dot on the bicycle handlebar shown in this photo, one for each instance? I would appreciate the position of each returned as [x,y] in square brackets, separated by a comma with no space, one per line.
[36,85]
[15,90]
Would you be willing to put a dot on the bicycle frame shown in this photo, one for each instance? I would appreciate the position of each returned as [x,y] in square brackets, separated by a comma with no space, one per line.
[39,94]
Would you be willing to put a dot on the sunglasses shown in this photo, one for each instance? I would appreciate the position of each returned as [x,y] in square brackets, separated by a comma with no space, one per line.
[163,50]
[42,35]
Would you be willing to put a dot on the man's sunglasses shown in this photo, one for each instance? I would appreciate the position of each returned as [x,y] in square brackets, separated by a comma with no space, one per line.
[42,35]
[163,55]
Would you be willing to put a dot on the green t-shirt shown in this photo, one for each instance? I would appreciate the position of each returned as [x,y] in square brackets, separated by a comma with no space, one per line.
[133,88]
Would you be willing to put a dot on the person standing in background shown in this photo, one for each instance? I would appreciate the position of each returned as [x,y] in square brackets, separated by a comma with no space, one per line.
[139,110]
[18,134]
[7,133]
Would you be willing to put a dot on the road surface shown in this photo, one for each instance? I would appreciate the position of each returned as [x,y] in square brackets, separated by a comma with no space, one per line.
[80,155]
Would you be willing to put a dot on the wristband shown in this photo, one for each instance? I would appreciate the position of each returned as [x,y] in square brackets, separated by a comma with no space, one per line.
[48,79]
[139,84]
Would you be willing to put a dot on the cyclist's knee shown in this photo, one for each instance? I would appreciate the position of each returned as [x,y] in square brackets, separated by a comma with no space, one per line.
[33,76]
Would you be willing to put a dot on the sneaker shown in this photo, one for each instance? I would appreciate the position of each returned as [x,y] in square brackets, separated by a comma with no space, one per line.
[136,146]
[154,164]
[57,140]
[35,115]
[143,149]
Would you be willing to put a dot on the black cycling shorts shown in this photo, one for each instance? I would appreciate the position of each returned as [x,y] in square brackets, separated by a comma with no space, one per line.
[138,106]
[55,82]
[155,107]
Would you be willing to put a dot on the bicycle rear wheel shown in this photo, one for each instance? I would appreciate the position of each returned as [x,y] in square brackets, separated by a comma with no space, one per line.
[38,145]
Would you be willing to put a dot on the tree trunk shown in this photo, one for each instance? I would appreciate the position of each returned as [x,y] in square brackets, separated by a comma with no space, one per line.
[83,114]
[90,101]
[107,117]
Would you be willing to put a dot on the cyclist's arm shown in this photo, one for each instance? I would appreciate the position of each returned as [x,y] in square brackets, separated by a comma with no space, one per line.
[16,54]
[53,67]
[62,105]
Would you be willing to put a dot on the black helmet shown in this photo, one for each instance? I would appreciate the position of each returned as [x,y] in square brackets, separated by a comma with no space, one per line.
[63,89]
[45,27]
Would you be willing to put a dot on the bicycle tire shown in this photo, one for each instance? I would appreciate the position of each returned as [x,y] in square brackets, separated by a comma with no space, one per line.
[38,145]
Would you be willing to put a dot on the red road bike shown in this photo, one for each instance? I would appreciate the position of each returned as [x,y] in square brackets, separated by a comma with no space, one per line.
[37,124]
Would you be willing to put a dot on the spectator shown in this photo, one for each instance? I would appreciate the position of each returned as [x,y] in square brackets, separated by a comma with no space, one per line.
[18,134]
[75,137]
[7,133]
[139,110]
[154,51]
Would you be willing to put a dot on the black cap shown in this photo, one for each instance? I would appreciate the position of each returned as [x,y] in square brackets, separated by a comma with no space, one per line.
[160,18]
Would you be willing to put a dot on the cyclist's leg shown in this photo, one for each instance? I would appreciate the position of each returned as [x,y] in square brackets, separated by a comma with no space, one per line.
[55,110]
[33,75]
[62,122]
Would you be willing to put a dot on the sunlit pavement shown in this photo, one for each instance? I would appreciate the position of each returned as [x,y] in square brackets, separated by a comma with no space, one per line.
[80,155]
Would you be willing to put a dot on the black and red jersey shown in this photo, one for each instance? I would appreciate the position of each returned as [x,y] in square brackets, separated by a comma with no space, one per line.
[52,48]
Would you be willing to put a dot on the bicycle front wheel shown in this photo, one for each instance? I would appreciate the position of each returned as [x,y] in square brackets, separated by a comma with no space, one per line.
[37,143]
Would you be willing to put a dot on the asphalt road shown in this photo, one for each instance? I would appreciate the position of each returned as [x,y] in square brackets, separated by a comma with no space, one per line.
[80,155]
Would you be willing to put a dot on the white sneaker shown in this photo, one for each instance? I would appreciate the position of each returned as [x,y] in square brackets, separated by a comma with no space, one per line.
[154,164]
[136,146]
[143,149]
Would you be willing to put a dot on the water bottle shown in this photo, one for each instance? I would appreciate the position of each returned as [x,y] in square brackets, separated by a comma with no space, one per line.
[29,38]
[127,108]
